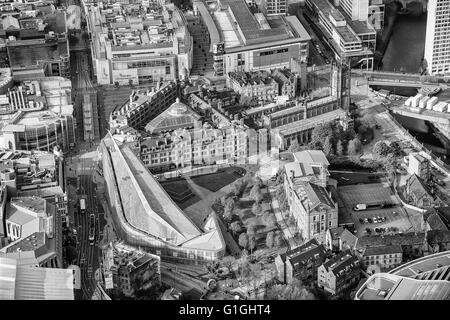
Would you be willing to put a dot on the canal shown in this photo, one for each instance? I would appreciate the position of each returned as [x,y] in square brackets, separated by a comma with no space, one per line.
[406,45]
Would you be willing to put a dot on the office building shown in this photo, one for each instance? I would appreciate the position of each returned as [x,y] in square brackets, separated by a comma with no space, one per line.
[437,47]
[138,43]
[243,41]
[426,278]
[352,41]
[274,7]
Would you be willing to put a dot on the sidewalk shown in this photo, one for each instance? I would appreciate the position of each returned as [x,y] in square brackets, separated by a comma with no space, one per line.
[288,232]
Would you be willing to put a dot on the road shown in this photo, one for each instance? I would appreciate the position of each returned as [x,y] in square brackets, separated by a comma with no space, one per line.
[88,254]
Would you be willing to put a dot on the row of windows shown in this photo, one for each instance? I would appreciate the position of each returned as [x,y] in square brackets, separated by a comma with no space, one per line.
[267,53]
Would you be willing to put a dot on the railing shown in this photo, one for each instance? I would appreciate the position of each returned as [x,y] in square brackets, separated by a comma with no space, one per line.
[420,145]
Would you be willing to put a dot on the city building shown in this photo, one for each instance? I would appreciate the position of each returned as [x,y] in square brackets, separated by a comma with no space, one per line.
[384,256]
[177,116]
[36,174]
[371,11]
[257,84]
[437,51]
[142,107]
[413,244]
[37,43]
[301,263]
[353,41]
[339,239]
[144,215]
[242,41]
[419,165]
[138,43]
[30,283]
[200,146]
[32,230]
[38,115]
[339,273]
[274,7]
[426,278]
[287,82]
[310,202]
[131,269]
[385,286]
[417,192]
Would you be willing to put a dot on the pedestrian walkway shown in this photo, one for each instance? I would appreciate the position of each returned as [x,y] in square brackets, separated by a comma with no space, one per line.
[288,232]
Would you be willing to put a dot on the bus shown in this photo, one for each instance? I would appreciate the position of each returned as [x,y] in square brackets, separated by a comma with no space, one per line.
[82,206]
[91,229]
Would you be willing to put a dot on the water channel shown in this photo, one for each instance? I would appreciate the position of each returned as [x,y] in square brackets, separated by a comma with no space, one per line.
[405,53]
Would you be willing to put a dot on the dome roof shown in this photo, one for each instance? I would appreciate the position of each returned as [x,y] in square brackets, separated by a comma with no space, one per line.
[177,108]
[177,116]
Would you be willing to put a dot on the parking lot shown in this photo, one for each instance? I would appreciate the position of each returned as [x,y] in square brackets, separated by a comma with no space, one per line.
[395,218]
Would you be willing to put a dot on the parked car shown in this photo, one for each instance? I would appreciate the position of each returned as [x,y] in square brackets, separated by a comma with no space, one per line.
[368,230]
[370,220]
[361,221]
[366,220]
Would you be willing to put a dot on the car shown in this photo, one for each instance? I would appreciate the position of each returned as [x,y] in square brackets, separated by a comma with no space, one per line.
[377,126]
[370,220]
[377,230]
[394,213]
[379,219]
[366,220]
[368,230]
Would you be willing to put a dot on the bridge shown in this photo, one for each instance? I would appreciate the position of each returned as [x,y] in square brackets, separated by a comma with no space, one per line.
[441,118]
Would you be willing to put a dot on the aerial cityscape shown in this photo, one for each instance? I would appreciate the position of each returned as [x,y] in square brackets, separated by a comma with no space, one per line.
[225,150]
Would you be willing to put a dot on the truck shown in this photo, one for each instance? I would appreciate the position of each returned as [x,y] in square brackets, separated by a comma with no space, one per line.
[364,206]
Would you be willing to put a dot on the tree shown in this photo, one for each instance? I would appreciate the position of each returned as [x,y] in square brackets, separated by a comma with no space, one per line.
[258,181]
[354,146]
[327,147]
[236,227]
[381,148]
[395,149]
[243,240]
[339,148]
[239,187]
[294,146]
[278,240]
[269,220]
[270,239]
[256,193]
[228,214]
[228,261]
[256,208]
[320,133]
[293,291]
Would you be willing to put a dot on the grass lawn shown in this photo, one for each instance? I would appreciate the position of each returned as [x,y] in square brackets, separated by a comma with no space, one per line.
[216,181]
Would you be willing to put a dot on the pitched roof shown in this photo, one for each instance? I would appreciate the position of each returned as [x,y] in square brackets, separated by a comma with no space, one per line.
[311,157]
[336,232]
[318,195]
[417,187]
[404,239]
[341,263]
[348,240]
[438,236]
[379,250]
[310,249]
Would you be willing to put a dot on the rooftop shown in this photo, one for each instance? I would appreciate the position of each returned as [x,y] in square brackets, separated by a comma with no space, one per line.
[150,210]
[301,254]
[33,283]
[177,116]
[385,286]
[341,263]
